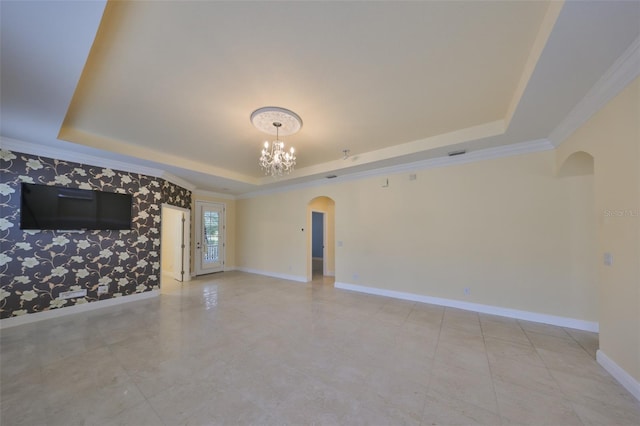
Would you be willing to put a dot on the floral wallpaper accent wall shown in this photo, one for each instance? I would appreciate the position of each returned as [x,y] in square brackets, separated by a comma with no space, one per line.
[36,266]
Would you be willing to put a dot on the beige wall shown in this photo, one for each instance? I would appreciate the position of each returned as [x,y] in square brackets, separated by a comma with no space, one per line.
[230,230]
[612,137]
[504,228]
[526,232]
[271,233]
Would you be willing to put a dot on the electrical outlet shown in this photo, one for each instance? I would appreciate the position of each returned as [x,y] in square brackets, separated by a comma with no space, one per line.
[103,289]
[356,277]
[467,291]
[72,294]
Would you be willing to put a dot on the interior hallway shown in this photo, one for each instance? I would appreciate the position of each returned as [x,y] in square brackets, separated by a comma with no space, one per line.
[236,348]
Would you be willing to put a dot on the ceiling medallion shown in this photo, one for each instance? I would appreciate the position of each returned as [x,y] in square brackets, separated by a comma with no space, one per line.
[274,160]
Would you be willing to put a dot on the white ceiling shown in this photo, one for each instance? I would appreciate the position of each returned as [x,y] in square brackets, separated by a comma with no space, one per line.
[171,85]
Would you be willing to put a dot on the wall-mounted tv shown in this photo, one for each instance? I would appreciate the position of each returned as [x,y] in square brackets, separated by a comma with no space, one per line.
[54,207]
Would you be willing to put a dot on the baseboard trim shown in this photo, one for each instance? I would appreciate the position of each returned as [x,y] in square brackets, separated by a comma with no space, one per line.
[75,309]
[476,307]
[273,274]
[618,373]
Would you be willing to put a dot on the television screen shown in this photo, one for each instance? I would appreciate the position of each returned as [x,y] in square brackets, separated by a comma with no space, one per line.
[53,207]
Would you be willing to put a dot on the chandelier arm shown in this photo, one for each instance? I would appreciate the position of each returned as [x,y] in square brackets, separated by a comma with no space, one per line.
[274,160]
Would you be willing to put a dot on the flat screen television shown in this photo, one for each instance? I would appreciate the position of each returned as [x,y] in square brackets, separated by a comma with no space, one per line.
[53,207]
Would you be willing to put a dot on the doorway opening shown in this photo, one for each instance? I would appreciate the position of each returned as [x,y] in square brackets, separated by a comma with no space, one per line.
[318,244]
[321,240]
[174,244]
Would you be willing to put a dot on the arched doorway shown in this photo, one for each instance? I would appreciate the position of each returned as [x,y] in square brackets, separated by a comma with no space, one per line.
[321,239]
[579,163]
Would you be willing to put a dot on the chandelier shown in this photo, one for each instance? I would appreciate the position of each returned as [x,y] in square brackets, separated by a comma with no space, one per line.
[274,159]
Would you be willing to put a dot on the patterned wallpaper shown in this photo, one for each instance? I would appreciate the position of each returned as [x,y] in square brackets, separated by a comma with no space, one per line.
[36,266]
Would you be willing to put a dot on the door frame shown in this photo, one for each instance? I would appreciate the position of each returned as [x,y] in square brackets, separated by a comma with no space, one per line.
[324,240]
[328,207]
[186,238]
[198,234]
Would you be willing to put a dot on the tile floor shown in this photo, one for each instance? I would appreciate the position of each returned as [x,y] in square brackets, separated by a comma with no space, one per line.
[236,349]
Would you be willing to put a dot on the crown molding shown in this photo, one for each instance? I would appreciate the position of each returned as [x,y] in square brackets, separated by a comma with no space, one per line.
[364,159]
[68,155]
[213,194]
[623,71]
[91,160]
[470,157]
[178,181]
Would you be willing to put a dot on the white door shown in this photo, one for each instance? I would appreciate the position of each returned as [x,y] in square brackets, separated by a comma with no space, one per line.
[175,242]
[178,270]
[178,236]
[209,237]
[181,256]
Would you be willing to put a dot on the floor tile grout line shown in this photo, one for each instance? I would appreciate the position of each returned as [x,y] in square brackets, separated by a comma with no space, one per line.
[435,352]
[146,400]
[553,377]
[578,342]
[282,297]
[493,385]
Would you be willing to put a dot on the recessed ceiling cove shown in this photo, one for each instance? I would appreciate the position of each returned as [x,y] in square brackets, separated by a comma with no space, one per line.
[180,78]
[170,85]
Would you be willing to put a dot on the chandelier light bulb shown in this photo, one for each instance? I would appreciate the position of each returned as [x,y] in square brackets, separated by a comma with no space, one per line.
[275,160]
